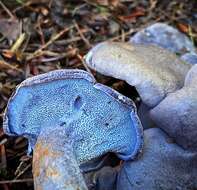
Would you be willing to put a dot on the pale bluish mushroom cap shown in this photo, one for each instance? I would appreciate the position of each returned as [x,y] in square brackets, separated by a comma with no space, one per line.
[99,119]
[164,36]
[155,72]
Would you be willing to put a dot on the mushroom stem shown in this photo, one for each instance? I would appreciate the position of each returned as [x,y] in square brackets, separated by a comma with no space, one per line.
[54,162]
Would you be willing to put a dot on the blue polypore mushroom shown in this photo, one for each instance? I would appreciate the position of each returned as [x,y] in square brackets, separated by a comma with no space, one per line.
[190,58]
[163,165]
[176,114]
[167,87]
[164,36]
[72,117]
[154,71]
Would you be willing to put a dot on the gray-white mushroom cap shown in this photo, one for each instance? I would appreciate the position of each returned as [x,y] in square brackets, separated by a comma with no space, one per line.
[155,72]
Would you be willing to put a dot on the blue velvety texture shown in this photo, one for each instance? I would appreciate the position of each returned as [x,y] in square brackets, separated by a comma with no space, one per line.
[95,120]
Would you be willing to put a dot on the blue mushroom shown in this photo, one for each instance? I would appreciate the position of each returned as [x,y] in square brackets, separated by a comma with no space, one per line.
[154,71]
[168,90]
[164,36]
[163,165]
[66,115]
[176,114]
[190,58]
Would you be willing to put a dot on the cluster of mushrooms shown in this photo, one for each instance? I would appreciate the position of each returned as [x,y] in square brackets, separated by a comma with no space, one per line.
[76,125]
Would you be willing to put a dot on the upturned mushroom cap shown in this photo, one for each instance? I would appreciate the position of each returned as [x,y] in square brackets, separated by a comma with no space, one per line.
[163,165]
[177,113]
[164,36]
[190,58]
[99,119]
[155,72]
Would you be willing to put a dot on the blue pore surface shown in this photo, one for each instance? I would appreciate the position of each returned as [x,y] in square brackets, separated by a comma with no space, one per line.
[96,122]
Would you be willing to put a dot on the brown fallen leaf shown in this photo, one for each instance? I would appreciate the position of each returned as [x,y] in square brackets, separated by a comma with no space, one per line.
[139,11]
[183,27]
[10,28]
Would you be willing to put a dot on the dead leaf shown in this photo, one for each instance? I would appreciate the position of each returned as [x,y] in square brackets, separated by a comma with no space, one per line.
[136,13]
[183,27]
[10,28]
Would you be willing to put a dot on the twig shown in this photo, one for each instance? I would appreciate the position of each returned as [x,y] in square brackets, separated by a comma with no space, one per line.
[120,36]
[7,10]
[3,157]
[40,32]
[18,43]
[23,171]
[4,65]
[68,41]
[84,64]
[82,36]
[39,51]
[78,8]
[59,56]
[17,181]
[3,141]
[123,35]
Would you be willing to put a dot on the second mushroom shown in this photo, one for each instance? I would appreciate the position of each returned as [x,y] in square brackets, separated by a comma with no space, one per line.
[71,122]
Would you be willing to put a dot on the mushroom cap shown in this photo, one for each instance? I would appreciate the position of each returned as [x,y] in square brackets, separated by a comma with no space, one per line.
[162,165]
[164,36]
[190,58]
[97,118]
[155,72]
[176,114]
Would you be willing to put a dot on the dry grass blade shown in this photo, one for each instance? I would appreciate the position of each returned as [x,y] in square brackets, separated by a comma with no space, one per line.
[18,42]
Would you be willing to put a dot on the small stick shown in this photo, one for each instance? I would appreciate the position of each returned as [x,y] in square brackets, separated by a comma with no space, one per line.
[84,64]
[120,36]
[3,141]
[3,157]
[4,65]
[39,51]
[18,42]
[23,171]
[82,36]
[7,10]
[17,181]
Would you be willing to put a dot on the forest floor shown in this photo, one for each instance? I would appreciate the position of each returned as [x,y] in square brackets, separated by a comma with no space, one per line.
[38,36]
